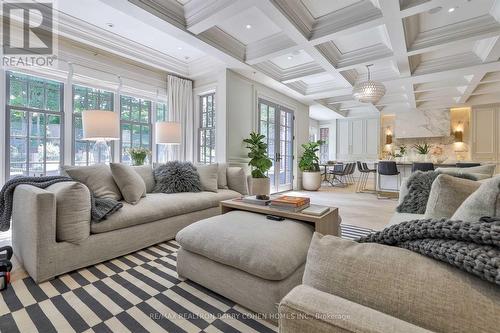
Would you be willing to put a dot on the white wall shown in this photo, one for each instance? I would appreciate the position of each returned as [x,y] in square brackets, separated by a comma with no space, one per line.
[241,104]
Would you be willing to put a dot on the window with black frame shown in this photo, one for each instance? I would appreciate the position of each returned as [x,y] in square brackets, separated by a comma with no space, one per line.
[34,131]
[135,122]
[206,131]
[86,98]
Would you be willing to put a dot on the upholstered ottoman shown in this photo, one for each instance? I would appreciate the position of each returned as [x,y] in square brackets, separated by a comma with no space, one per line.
[245,257]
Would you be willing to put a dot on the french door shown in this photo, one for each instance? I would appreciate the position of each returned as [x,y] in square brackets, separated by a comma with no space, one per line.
[276,123]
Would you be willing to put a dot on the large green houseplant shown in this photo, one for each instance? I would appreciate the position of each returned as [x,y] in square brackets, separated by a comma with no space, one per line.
[309,165]
[260,163]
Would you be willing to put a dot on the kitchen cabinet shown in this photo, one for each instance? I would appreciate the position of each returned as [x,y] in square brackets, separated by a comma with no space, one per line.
[358,139]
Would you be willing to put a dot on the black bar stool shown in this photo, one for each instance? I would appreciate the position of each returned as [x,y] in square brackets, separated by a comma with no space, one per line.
[419,166]
[387,168]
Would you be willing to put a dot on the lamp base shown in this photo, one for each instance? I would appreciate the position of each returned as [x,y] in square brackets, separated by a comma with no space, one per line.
[101,152]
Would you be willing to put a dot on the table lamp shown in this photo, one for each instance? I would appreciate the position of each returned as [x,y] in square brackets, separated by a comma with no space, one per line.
[168,133]
[101,126]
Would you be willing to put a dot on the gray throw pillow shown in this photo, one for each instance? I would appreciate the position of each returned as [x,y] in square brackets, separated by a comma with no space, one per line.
[208,176]
[447,194]
[97,178]
[237,180]
[221,176]
[146,173]
[175,177]
[129,182]
[485,201]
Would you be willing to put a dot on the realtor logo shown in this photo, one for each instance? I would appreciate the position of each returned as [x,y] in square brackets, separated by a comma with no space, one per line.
[28,33]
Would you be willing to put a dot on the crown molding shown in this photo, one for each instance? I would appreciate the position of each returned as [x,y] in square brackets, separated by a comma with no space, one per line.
[267,46]
[291,73]
[170,11]
[446,63]
[97,37]
[367,54]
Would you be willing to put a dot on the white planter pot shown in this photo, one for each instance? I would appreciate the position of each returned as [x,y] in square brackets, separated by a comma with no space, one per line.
[261,186]
[311,181]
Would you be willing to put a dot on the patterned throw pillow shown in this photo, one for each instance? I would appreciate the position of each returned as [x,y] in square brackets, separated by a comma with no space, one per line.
[175,177]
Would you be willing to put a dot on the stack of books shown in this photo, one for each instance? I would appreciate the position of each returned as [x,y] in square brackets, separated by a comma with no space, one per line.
[290,203]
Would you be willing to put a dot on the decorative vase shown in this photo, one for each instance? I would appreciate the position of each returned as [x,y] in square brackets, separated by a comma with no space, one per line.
[261,188]
[138,161]
[311,181]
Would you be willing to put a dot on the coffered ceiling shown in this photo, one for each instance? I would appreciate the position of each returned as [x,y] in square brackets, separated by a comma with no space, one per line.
[430,54]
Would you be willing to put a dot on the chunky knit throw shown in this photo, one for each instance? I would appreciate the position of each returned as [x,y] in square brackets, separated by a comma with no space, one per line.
[472,247]
[101,207]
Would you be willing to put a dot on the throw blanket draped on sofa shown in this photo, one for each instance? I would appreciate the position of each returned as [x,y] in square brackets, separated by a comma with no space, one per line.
[101,207]
[472,247]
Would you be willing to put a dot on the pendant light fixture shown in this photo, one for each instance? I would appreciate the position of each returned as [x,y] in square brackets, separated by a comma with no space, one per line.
[368,91]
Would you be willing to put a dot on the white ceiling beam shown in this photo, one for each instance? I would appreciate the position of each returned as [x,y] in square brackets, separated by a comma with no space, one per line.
[202,19]
[391,11]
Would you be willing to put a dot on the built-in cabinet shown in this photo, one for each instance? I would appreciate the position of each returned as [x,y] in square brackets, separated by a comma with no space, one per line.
[485,143]
[357,139]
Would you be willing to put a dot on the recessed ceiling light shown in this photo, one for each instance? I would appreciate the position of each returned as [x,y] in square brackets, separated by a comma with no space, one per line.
[110,25]
[179,47]
[289,57]
[248,26]
[452,9]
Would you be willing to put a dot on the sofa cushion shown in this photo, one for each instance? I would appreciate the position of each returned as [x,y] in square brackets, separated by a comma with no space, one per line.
[176,177]
[72,211]
[146,173]
[158,206]
[221,176]
[98,179]
[237,180]
[486,169]
[208,176]
[485,201]
[403,217]
[129,182]
[249,242]
[447,194]
[403,284]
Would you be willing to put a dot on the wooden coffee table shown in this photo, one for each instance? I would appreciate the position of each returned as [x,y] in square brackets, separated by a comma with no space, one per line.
[326,224]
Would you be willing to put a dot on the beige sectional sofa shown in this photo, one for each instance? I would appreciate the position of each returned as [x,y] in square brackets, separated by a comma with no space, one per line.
[52,233]
[365,287]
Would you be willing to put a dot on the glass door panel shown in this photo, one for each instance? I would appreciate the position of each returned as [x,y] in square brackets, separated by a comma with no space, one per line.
[276,123]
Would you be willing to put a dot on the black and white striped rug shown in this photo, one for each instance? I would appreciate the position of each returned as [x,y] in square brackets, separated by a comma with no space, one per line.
[139,292]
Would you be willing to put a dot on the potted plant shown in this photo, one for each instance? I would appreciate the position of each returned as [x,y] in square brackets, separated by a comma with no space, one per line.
[138,155]
[309,165]
[422,150]
[260,163]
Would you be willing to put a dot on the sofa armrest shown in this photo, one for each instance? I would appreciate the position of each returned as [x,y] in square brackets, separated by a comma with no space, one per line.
[33,227]
[308,310]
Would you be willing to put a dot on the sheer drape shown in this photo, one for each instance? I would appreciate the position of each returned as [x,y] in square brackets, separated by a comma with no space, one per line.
[180,106]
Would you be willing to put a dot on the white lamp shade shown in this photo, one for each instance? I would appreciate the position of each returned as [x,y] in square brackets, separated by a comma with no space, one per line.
[168,132]
[101,125]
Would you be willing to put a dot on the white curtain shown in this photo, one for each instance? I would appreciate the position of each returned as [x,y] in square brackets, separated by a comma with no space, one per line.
[180,107]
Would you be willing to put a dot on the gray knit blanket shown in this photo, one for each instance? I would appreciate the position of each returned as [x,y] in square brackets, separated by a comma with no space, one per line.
[419,186]
[101,207]
[471,247]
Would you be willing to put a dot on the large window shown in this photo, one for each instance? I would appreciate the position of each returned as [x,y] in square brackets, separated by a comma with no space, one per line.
[135,115]
[34,125]
[206,132]
[85,98]
[161,115]
[323,149]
